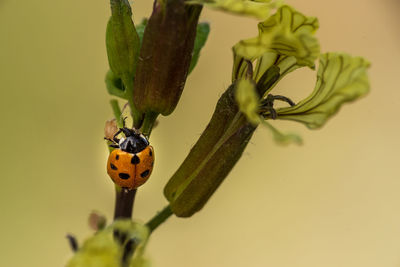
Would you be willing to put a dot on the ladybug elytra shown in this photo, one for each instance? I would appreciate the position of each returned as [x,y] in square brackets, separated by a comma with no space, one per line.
[131,162]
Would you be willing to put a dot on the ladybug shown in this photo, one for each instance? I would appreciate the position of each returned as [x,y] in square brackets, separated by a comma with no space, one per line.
[131,162]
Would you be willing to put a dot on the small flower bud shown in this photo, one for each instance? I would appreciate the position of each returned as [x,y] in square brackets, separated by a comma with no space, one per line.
[165,56]
[110,129]
[97,221]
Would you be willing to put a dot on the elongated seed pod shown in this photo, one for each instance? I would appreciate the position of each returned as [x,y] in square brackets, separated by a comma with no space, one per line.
[165,56]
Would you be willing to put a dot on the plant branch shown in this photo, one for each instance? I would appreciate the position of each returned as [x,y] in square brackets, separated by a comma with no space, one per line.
[117,112]
[148,123]
[124,200]
[159,218]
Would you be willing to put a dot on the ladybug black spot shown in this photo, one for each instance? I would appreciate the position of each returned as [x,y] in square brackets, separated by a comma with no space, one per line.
[113,166]
[145,173]
[117,157]
[151,153]
[123,175]
[135,160]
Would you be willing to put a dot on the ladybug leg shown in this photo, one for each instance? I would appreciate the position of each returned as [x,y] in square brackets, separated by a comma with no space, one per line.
[114,146]
[115,139]
[73,243]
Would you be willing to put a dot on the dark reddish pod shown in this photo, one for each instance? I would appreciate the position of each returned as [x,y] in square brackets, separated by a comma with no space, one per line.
[165,56]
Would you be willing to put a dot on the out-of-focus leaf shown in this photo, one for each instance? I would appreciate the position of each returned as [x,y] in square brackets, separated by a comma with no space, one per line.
[104,249]
[248,100]
[281,138]
[202,31]
[341,78]
[256,8]
[288,33]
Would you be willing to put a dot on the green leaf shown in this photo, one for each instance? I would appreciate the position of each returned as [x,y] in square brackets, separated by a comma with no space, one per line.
[114,85]
[281,138]
[256,8]
[117,113]
[288,33]
[341,78]
[203,29]
[248,101]
[122,41]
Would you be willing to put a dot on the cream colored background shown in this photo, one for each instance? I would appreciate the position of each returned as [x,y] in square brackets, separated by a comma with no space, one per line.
[334,202]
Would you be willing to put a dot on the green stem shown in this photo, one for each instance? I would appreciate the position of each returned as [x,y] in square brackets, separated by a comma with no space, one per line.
[136,115]
[148,123]
[117,112]
[159,218]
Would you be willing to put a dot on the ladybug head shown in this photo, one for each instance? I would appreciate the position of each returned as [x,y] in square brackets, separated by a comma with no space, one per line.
[134,141]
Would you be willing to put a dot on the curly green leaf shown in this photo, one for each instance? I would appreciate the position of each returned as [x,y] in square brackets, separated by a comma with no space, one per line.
[287,33]
[255,8]
[341,78]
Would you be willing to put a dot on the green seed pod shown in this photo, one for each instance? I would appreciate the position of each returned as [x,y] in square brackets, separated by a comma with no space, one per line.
[165,56]
[211,159]
[216,152]
[122,42]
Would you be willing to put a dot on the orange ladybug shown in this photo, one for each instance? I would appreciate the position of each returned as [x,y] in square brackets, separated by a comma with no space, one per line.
[131,162]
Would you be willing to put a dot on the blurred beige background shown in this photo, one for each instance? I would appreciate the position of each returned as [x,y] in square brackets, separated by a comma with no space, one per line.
[332,202]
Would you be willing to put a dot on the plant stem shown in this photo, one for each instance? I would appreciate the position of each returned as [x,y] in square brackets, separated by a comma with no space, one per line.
[124,199]
[148,123]
[136,115]
[117,112]
[159,218]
